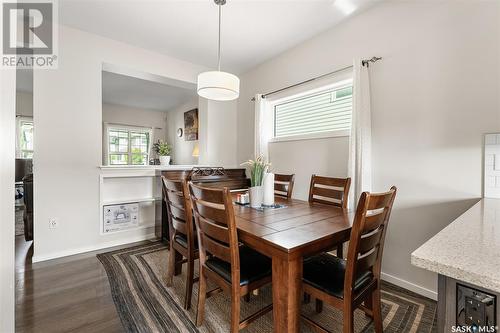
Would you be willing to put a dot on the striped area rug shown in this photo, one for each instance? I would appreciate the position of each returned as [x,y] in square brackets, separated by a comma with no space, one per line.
[144,303]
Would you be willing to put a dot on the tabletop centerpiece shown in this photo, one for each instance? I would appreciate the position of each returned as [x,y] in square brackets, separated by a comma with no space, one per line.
[258,169]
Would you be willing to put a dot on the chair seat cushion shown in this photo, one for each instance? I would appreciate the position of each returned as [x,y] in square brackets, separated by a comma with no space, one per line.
[326,273]
[253,266]
[182,240]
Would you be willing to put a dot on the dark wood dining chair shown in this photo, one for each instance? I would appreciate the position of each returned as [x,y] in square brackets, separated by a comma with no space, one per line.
[283,185]
[237,270]
[355,282]
[183,243]
[330,191]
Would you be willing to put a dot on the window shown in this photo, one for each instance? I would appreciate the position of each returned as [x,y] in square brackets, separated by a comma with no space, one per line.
[128,146]
[319,114]
[25,137]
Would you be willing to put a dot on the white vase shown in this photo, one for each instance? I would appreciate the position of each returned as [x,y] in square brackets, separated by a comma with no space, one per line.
[268,189]
[164,160]
[256,196]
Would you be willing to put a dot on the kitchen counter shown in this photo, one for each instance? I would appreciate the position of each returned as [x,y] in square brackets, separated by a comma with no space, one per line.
[468,249]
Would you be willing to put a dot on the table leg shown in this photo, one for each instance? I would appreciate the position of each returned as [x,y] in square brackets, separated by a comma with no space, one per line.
[287,286]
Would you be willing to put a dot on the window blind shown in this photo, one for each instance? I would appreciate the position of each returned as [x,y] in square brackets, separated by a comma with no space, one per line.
[326,111]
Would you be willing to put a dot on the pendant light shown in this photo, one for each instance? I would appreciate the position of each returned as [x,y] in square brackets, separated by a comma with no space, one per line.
[217,85]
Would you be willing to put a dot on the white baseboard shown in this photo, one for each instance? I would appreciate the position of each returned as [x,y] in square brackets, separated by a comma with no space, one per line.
[100,246]
[410,286]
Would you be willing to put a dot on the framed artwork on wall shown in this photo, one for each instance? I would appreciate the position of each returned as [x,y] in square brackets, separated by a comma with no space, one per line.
[191,125]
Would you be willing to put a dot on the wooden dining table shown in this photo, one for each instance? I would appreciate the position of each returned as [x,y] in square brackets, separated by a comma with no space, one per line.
[288,235]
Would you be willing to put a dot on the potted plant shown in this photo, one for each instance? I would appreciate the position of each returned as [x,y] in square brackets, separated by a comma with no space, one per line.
[258,169]
[163,150]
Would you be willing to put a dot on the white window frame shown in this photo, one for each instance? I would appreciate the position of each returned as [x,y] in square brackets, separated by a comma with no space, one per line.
[19,121]
[117,127]
[322,135]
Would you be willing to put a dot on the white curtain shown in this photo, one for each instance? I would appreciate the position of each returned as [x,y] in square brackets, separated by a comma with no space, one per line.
[359,167]
[152,134]
[263,127]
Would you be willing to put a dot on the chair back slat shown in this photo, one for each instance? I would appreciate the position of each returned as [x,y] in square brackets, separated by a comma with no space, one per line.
[367,236]
[214,213]
[179,226]
[180,217]
[216,226]
[209,195]
[177,212]
[172,185]
[370,240]
[373,221]
[336,194]
[330,191]
[378,201]
[214,230]
[279,187]
[176,198]
[283,185]
[367,260]
[217,249]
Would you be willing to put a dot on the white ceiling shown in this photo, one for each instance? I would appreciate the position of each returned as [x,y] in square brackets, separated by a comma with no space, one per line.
[253,30]
[143,94]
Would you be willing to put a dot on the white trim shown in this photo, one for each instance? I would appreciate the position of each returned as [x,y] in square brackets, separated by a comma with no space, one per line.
[101,246]
[410,286]
[312,136]
[337,85]
[122,202]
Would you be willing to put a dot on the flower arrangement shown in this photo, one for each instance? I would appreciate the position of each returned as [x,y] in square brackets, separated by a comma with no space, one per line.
[162,148]
[258,168]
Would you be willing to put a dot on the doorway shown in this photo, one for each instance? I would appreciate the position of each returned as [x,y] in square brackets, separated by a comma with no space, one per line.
[25,128]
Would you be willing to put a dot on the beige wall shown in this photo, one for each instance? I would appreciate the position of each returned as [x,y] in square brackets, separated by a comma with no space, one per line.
[24,104]
[325,157]
[218,133]
[68,135]
[7,155]
[434,95]
[182,149]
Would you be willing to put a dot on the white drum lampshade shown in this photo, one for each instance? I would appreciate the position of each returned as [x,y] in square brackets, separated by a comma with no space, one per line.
[218,86]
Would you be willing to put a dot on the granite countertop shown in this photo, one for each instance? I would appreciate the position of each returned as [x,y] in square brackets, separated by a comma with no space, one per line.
[468,249]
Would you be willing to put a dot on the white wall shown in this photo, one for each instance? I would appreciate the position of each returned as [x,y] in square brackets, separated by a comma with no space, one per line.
[7,155]
[434,95]
[182,152]
[119,114]
[218,133]
[24,104]
[68,120]
[325,157]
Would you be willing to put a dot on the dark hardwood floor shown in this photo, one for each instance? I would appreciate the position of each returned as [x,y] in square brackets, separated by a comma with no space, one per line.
[70,294]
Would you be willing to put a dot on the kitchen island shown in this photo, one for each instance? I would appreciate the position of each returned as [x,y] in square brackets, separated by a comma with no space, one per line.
[466,256]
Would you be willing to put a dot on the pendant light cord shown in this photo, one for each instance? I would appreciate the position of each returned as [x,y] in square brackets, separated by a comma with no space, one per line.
[218,52]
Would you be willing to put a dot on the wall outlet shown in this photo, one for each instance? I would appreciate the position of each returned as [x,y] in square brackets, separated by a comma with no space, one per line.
[53,223]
